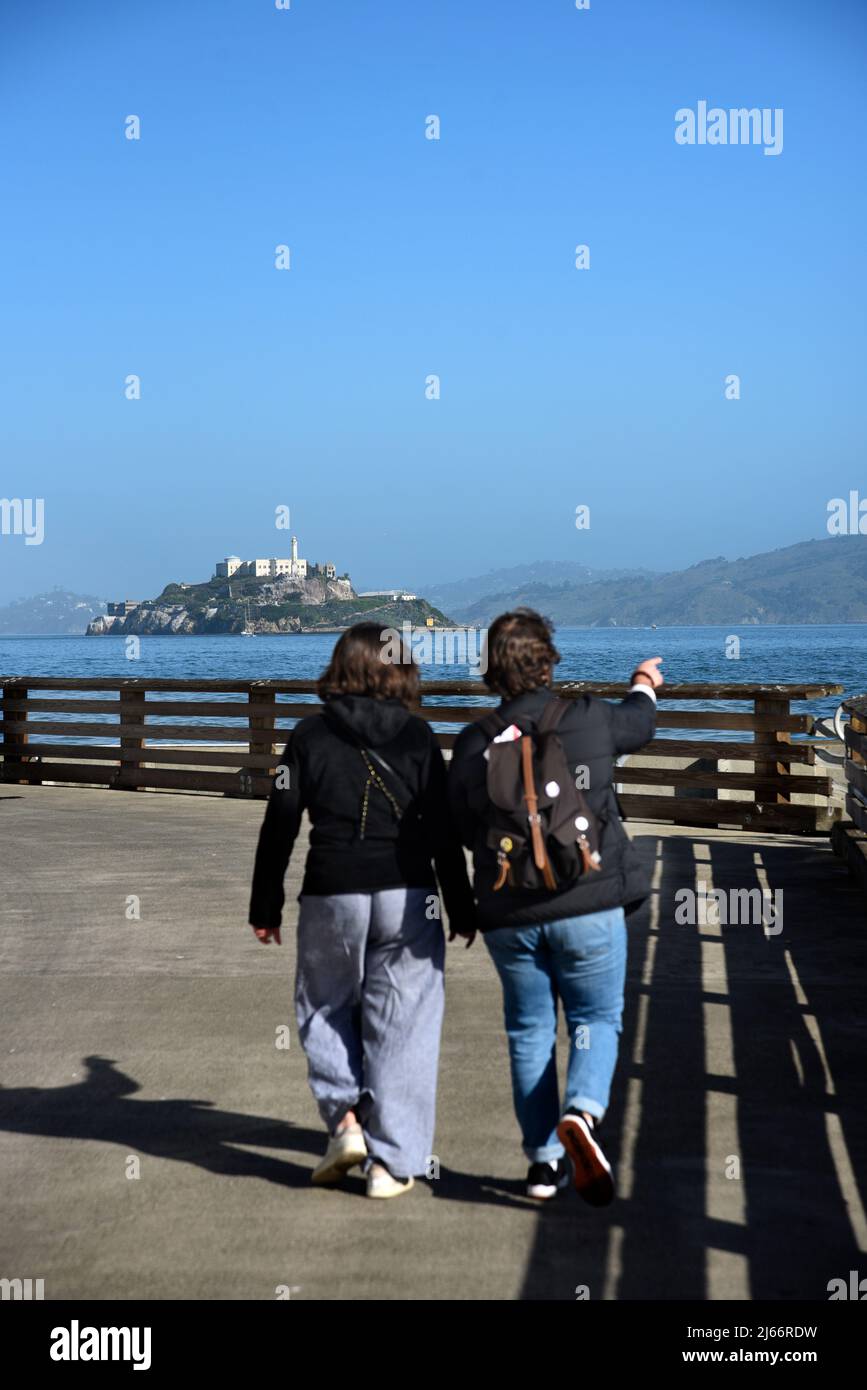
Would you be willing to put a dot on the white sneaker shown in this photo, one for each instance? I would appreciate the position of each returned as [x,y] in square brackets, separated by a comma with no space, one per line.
[345,1150]
[545,1180]
[380,1183]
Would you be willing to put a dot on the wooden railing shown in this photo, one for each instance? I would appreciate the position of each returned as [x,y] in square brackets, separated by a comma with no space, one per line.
[687,780]
[856,760]
[849,837]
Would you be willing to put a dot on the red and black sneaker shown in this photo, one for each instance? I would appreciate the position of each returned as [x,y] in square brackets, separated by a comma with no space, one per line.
[592,1171]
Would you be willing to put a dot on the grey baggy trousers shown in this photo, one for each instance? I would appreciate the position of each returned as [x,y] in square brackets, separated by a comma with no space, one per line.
[369,1004]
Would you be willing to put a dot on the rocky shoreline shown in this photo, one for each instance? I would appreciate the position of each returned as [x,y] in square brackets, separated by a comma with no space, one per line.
[283,607]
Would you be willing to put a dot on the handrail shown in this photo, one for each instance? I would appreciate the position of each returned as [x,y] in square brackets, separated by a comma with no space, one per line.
[755,777]
[855,766]
[695,690]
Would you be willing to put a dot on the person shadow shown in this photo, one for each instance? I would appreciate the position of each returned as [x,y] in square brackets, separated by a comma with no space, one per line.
[102,1106]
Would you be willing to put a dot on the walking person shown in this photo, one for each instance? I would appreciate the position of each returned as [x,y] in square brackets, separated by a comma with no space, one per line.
[369,982]
[531,791]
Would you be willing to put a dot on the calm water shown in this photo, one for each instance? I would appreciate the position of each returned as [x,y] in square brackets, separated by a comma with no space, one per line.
[773,654]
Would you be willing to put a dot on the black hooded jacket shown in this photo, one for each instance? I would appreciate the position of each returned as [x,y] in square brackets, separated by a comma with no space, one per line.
[323,771]
[593,733]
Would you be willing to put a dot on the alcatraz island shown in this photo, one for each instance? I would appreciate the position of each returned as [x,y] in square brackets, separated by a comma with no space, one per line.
[265,596]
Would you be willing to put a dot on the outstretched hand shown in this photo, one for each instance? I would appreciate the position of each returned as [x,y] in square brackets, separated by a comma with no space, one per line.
[650,668]
[267,934]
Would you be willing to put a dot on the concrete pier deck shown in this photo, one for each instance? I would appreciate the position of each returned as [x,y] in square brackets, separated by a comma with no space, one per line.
[738,1125]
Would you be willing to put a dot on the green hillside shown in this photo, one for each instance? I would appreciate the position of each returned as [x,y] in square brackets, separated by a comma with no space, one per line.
[821,581]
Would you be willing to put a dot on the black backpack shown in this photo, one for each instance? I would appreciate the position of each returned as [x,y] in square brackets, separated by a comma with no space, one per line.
[539,823]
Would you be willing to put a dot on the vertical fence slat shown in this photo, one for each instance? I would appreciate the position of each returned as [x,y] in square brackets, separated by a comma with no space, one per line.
[14,737]
[767,766]
[256,722]
[128,700]
[856,800]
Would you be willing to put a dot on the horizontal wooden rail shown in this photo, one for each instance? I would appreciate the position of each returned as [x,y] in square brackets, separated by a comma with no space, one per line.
[186,757]
[137,733]
[728,748]
[228,733]
[856,760]
[734,781]
[608,690]
[217,709]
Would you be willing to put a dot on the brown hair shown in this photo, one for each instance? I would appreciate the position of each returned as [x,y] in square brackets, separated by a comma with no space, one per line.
[365,662]
[520,652]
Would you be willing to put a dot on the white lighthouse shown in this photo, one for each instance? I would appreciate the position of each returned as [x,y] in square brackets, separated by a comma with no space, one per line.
[297,568]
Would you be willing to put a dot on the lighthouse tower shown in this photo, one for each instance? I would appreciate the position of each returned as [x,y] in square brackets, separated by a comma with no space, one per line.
[297,568]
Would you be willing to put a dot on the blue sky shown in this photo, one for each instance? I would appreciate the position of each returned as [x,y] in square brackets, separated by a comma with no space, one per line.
[411,257]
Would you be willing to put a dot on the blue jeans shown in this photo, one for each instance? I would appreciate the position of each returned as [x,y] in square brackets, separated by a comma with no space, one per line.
[581,961]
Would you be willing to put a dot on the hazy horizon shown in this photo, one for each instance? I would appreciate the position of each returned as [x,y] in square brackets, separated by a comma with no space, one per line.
[600,575]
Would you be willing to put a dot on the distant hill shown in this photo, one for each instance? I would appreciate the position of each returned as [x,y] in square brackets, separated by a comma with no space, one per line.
[821,581]
[456,594]
[55,614]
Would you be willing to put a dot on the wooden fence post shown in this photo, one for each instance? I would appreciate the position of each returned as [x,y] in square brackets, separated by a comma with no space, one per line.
[129,699]
[257,722]
[766,740]
[14,739]
[856,771]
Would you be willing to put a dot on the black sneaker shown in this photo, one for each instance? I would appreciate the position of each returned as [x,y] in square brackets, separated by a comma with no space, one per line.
[545,1180]
[593,1177]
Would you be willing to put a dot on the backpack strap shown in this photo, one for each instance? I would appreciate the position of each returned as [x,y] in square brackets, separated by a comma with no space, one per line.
[492,724]
[540,854]
[402,786]
[374,780]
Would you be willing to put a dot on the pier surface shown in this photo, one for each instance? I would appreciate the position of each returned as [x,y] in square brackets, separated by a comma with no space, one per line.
[147,1045]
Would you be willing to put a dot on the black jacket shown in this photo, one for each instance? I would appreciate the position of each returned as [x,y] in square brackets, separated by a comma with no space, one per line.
[593,733]
[326,774]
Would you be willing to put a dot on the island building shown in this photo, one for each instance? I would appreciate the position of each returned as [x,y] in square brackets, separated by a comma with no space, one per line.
[274,568]
[389,593]
[120,610]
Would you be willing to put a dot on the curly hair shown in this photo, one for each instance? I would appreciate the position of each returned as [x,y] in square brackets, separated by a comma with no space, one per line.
[520,652]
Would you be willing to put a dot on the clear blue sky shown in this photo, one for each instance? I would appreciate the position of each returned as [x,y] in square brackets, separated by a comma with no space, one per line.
[411,257]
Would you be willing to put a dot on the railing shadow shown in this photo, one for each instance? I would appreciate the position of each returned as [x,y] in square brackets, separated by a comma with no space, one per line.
[789,1222]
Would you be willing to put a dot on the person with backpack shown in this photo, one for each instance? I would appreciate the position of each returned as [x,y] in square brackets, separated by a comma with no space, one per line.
[369,982]
[531,791]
